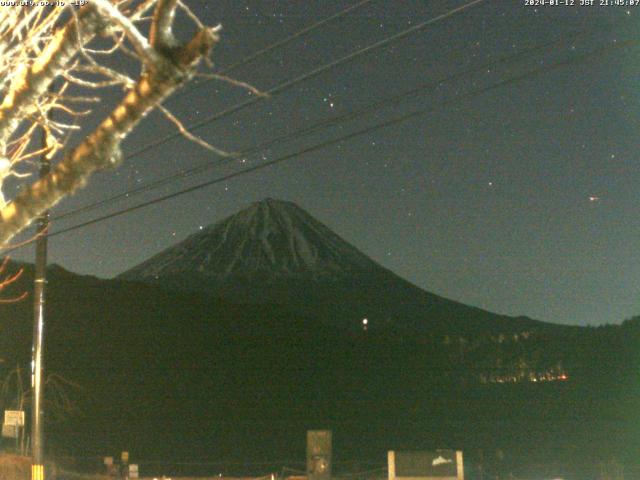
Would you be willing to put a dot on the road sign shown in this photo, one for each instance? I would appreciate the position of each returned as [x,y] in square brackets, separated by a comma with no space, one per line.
[133,471]
[108,461]
[10,431]
[426,465]
[319,454]
[124,456]
[14,417]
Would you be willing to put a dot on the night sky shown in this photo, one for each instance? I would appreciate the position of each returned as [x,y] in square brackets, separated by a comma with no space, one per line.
[521,200]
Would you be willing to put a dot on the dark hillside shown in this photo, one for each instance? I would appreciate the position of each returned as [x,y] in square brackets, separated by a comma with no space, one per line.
[173,375]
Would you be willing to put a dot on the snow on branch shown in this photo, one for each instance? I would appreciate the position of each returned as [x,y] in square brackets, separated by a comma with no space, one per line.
[31,79]
[47,54]
[139,42]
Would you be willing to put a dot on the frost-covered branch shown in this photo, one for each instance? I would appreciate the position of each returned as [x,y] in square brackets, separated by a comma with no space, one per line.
[58,47]
[139,42]
[30,81]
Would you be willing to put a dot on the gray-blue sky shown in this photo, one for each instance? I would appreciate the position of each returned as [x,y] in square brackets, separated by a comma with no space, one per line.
[520,201]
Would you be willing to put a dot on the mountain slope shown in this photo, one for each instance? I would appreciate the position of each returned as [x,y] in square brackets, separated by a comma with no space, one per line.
[274,252]
[177,376]
[269,238]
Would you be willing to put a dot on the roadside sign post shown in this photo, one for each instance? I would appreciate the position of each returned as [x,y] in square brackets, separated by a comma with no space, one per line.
[108,463]
[124,469]
[13,422]
[425,465]
[14,417]
[319,446]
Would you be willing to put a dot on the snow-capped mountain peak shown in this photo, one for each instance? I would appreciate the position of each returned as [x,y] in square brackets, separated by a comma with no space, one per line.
[272,238]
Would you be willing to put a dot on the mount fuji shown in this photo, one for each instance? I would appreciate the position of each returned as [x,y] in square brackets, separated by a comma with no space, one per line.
[274,252]
[271,238]
[231,344]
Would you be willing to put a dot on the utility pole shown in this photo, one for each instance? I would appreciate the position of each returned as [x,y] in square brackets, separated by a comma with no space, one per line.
[40,282]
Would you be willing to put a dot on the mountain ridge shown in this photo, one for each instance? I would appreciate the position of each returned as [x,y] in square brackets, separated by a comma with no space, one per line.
[271,236]
[275,252]
[179,375]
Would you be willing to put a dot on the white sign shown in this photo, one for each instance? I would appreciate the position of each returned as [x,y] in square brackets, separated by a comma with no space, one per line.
[108,461]
[9,431]
[133,471]
[14,417]
[426,465]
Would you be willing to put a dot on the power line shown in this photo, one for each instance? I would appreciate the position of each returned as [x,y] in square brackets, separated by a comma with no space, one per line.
[355,134]
[309,75]
[326,123]
[275,45]
[291,136]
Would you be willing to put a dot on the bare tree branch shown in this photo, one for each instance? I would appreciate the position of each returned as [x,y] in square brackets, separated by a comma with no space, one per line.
[9,280]
[235,83]
[190,136]
[139,42]
[161,33]
[168,67]
[32,81]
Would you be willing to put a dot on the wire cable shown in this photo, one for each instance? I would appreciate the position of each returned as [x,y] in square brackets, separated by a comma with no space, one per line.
[308,76]
[322,124]
[355,134]
[278,44]
[299,133]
